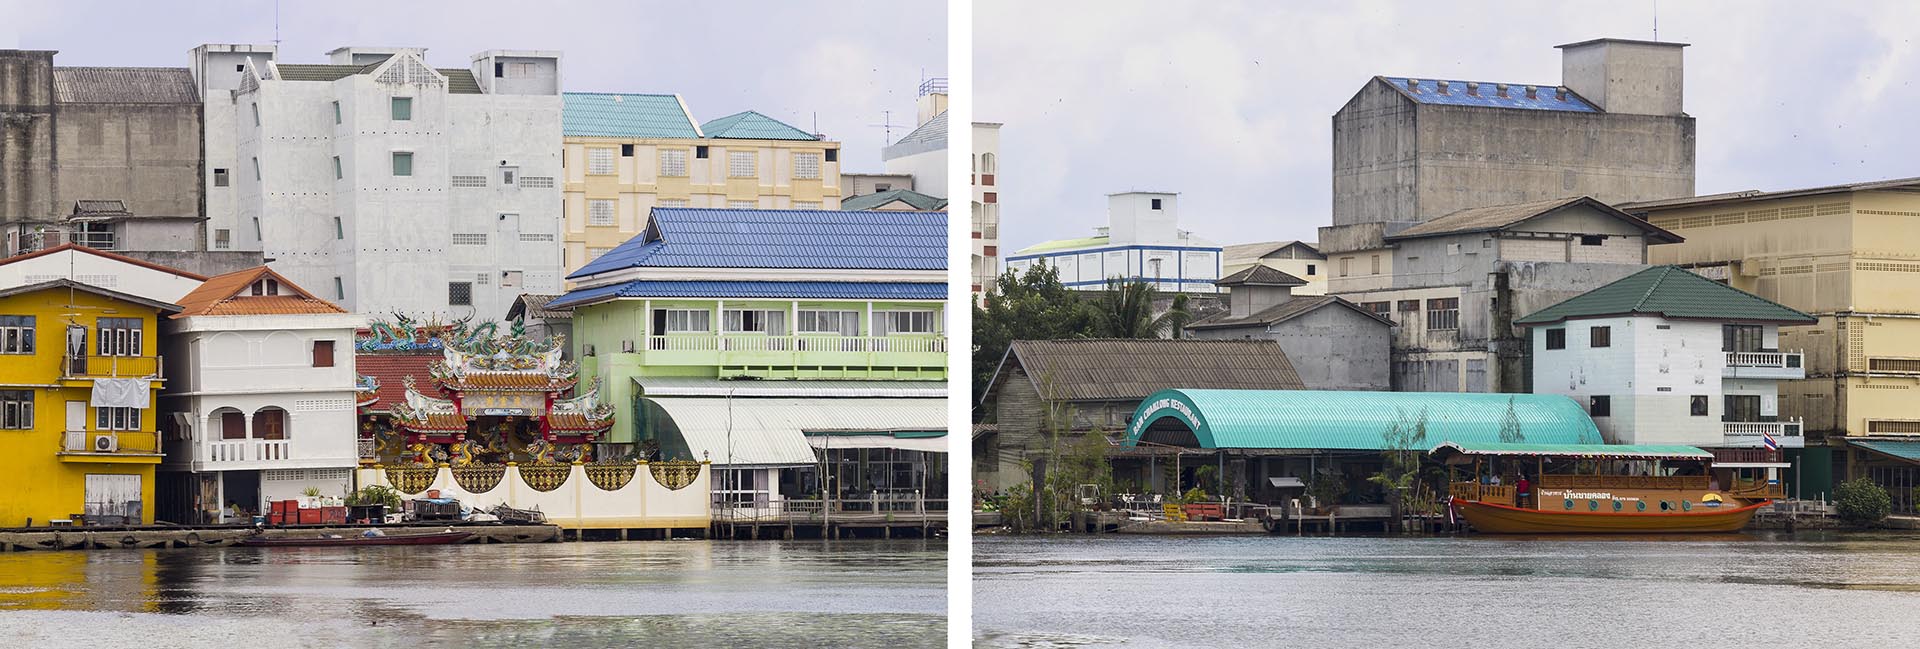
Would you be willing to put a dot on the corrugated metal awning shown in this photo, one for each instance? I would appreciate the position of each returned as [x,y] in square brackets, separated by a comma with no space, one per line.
[682,386]
[930,444]
[772,431]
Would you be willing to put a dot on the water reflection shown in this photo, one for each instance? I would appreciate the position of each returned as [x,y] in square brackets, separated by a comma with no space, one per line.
[800,593]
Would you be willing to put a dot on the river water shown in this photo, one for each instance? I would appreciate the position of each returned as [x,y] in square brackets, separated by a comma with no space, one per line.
[662,593]
[1752,590]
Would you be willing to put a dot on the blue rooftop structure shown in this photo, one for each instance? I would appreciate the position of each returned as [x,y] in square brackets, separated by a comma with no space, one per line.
[817,239]
[752,126]
[1488,94]
[756,290]
[607,114]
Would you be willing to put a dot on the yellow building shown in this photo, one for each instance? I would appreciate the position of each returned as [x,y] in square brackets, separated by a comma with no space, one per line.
[62,452]
[626,154]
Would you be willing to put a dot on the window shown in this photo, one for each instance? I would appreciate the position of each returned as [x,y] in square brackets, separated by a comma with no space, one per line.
[1376,265]
[806,166]
[1409,306]
[1556,339]
[1156,203]
[673,163]
[402,163]
[266,287]
[256,114]
[1741,407]
[685,320]
[1602,406]
[16,409]
[336,112]
[110,418]
[339,288]
[233,425]
[1592,239]
[742,164]
[499,70]
[222,239]
[117,337]
[770,322]
[270,423]
[256,168]
[700,152]
[1443,313]
[16,334]
[469,238]
[339,172]
[1742,338]
[1310,270]
[1486,243]
[402,109]
[323,353]
[881,187]
[600,211]
[511,278]
[845,323]
[743,205]
[673,202]
[1377,308]
[460,293]
[903,322]
[1346,266]
[1600,337]
[626,150]
[469,181]
[1699,406]
[220,177]
[339,229]
[507,174]
[833,155]
[594,253]
[599,161]
[806,205]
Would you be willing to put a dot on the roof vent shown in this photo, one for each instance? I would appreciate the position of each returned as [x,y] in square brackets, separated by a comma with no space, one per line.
[1533,93]
[1500,89]
[617,99]
[1560,93]
[1473,89]
[1413,85]
[1442,85]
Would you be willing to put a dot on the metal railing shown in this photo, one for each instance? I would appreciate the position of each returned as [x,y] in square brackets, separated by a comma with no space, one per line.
[368,451]
[1776,428]
[728,507]
[105,367]
[123,441]
[802,343]
[1781,360]
[934,86]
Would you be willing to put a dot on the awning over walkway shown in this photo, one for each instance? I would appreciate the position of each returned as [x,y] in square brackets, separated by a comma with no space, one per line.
[1896,449]
[931,441]
[772,431]
[681,386]
[1325,419]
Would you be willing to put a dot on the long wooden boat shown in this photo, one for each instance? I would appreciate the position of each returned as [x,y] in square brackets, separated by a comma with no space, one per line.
[433,538]
[1604,489]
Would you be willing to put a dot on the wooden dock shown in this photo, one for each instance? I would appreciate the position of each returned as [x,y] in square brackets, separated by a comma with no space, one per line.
[162,537]
[839,519]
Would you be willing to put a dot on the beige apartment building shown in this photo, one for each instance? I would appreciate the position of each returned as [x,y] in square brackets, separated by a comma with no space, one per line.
[986,205]
[626,154]
[1847,254]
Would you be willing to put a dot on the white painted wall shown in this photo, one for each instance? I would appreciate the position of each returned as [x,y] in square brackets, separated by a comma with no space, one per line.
[248,363]
[103,272]
[1650,372]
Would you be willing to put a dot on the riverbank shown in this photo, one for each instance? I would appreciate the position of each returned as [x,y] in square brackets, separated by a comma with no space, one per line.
[168,537]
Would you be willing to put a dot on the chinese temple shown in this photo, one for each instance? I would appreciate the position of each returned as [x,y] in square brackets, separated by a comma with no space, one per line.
[484,399]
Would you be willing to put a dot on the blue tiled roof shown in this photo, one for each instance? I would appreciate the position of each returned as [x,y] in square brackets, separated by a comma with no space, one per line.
[624,115]
[679,237]
[757,290]
[1545,97]
[752,126]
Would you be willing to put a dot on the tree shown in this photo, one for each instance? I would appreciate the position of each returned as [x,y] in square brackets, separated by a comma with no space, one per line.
[1861,502]
[1399,476]
[1125,310]
[1029,306]
[1510,426]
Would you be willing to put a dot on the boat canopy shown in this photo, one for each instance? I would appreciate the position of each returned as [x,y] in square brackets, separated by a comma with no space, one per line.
[1455,452]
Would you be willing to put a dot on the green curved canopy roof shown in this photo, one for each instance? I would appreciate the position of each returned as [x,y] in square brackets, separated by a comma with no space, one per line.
[1350,420]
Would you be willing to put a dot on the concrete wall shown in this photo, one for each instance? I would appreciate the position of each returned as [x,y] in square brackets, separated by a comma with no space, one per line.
[1331,348]
[579,504]
[147,155]
[204,262]
[26,140]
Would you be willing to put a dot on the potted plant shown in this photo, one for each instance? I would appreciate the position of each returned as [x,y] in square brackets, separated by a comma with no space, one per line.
[1325,490]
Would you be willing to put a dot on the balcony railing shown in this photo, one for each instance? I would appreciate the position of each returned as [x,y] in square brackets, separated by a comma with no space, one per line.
[1753,433]
[110,367]
[119,442]
[1764,359]
[800,343]
[244,450]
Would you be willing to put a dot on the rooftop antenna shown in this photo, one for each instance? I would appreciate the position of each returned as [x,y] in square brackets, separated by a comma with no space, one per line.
[1656,21]
[276,24]
[886,122]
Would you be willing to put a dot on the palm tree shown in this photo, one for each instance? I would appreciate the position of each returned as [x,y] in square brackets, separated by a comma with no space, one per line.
[1125,310]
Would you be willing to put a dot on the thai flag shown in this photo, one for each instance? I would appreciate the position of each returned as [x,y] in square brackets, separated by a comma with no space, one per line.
[1767,438]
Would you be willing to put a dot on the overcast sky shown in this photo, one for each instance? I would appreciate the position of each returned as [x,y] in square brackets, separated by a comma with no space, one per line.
[1231,103]
[846,61]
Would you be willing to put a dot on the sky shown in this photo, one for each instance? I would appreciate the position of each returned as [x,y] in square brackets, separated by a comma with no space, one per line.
[1231,103]
[844,61]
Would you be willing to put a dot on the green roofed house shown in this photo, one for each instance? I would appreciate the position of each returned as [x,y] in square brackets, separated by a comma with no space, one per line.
[1666,356]
[905,200]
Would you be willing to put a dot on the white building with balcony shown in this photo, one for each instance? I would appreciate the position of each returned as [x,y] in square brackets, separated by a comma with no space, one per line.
[1142,241]
[1665,356]
[260,398]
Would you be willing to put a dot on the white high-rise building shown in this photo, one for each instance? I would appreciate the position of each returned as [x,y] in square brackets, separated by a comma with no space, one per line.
[384,184]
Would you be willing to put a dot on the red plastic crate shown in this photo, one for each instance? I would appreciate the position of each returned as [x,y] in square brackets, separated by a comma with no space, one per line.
[310,516]
[333,515]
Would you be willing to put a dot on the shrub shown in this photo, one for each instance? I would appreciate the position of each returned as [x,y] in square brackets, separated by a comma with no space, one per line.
[1861,502]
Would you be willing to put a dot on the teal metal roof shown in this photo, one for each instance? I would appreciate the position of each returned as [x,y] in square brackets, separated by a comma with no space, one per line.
[608,114]
[1670,292]
[1350,420]
[1895,448]
[752,126]
[1646,451]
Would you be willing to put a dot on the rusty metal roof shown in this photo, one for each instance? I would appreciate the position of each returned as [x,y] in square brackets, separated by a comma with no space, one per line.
[105,85]
[1105,369]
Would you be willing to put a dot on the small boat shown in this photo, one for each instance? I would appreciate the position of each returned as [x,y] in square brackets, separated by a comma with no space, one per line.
[1603,488]
[431,538]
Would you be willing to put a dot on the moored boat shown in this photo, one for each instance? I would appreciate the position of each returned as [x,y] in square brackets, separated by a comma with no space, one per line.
[1601,489]
[432,538]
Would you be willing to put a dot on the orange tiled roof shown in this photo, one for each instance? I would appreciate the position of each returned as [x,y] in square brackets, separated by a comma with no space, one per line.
[228,295]
[531,380]
[575,421]
[439,421]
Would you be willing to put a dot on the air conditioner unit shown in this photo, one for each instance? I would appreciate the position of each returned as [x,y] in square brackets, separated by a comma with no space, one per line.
[586,350]
[105,443]
[626,346]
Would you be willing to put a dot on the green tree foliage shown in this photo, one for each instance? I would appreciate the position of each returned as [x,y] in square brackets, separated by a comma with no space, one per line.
[1076,461]
[1861,502]
[1029,306]
[1399,477]
[1125,310]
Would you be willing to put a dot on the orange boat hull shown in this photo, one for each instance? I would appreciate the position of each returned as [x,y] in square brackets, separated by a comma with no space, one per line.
[1502,519]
